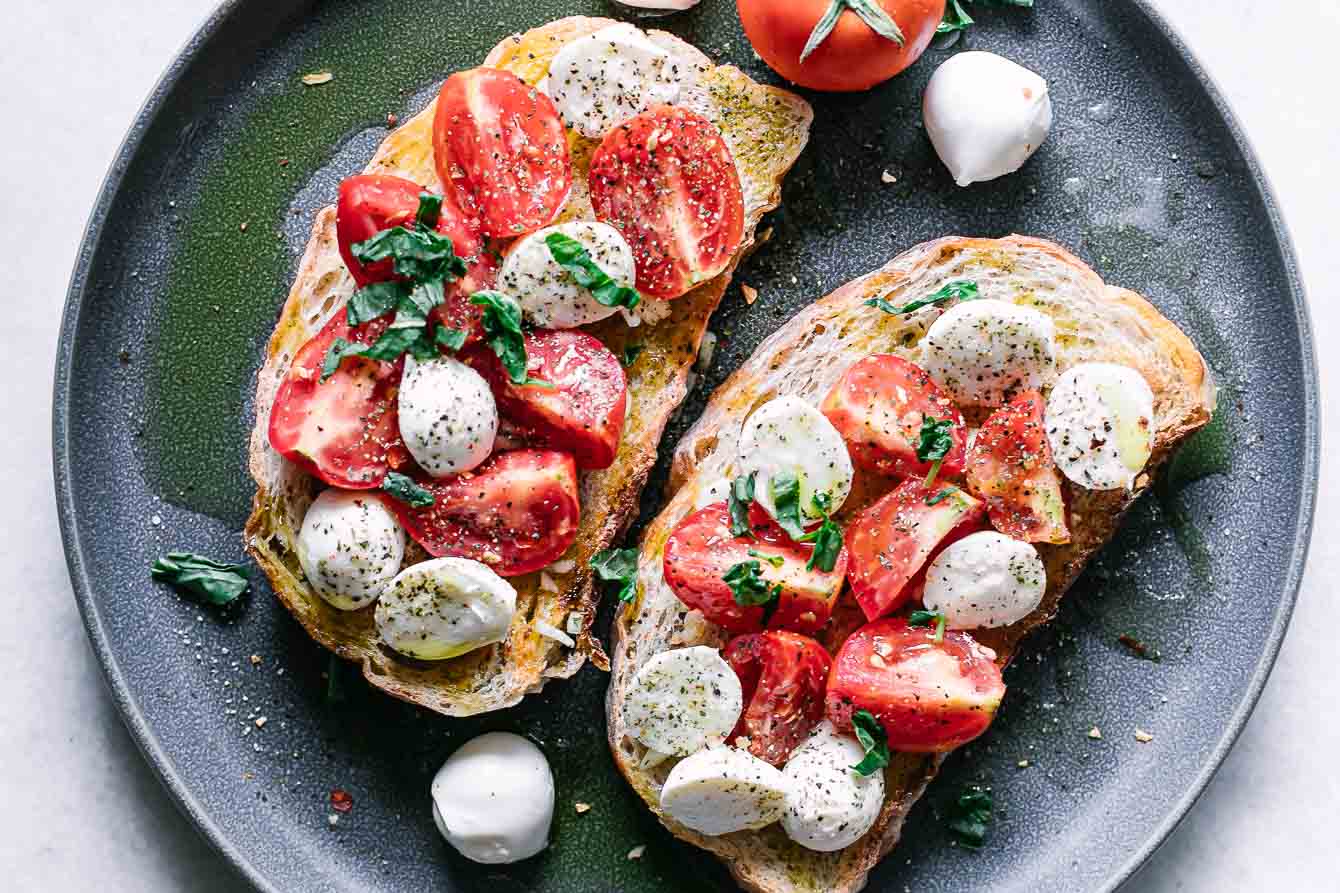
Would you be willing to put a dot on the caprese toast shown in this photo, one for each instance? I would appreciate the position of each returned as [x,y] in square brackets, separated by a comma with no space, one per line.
[871,513]
[464,393]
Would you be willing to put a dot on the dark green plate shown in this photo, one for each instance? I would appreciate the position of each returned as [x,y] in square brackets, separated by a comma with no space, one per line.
[189,255]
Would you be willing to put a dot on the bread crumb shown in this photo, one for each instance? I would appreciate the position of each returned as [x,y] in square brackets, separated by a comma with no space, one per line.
[1022,764]
[750,293]
[636,852]
[260,722]
[255,660]
[582,808]
[1095,734]
[317,77]
[888,177]
[1143,737]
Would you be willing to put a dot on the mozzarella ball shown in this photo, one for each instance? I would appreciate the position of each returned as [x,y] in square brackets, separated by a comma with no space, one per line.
[828,806]
[983,351]
[349,546]
[789,436]
[984,580]
[549,297]
[722,790]
[985,115]
[493,799]
[448,419]
[1100,424]
[664,6]
[683,700]
[444,608]
[605,78]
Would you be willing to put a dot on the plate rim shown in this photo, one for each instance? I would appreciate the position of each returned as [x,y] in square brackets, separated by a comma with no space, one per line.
[185,799]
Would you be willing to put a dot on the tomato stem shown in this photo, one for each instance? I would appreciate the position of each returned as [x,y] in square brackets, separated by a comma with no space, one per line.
[869,11]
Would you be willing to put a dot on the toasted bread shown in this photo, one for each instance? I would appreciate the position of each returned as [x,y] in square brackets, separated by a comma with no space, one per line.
[1094,322]
[766,129]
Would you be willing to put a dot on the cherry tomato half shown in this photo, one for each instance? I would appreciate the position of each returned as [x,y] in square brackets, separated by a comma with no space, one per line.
[1010,466]
[784,676]
[929,696]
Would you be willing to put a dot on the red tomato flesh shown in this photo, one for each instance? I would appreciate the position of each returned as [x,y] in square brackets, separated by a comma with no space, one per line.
[891,541]
[516,513]
[878,406]
[1010,466]
[583,413]
[667,182]
[501,151]
[784,676]
[701,550]
[929,696]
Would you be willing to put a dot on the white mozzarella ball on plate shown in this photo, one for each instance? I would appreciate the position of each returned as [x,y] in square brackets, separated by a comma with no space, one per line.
[448,418]
[1100,425]
[493,799]
[788,437]
[828,805]
[985,580]
[683,700]
[605,78]
[983,351]
[985,115]
[444,608]
[662,6]
[350,546]
[549,296]
[722,790]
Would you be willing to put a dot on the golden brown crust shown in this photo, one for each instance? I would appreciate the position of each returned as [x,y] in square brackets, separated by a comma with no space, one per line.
[500,676]
[804,358]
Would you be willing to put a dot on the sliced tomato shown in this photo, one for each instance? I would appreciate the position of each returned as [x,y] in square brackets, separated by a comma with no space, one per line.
[784,676]
[1010,466]
[891,540]
[929,696]
[701,550]
[343,430]
[516,513]
[501,151]
[582,413]
[370,203]
[879,405]
[667,182]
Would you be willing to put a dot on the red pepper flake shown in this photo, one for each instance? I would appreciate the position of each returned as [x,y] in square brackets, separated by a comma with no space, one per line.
[340,801]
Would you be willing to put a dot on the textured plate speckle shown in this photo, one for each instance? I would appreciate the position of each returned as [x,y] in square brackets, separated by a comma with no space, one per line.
[1146,176]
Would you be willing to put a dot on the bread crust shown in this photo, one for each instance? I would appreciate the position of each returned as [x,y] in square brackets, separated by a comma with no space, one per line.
[766,129]
[1095,322]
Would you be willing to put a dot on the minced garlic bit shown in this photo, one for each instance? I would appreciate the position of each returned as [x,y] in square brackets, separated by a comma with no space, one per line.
[636,852]
[317,77]
[582,808]
[1143,737]
[1095,734]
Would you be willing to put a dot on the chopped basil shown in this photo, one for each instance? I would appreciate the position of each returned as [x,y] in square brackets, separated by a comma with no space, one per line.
[573,257]
[933,444]
[630,354]
[430,210]
[403,489]
[959,289]
[618,566]
[741,495]
[957,19]
[416,254]
[750,589]
[926,618]
[452,339]
[774,560]
[970,816]
[785,490]
[827,538]
[875,741]
[870,12]
[387,348]
[200,578]
[372,300]
[502,332]
[940,497]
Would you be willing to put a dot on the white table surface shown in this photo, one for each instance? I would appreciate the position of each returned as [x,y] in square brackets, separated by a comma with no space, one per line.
[80,809]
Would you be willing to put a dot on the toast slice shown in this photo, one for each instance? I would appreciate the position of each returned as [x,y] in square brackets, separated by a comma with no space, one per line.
[1094,322]
[766,129]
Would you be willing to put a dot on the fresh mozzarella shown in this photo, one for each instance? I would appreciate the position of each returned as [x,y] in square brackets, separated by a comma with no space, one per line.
[1100,425]
[715,491]
[983,351]
[605,78]
[448,419]
[722,790]
[828,806]
[350,546]
[985,579]
[789,436]
[550,298]
[493,799]
[985,115]
[660,5]
[683,700]
[445,607]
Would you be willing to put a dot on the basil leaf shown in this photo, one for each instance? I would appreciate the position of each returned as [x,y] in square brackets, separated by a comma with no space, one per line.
[452,339]
[941,496]
[573,257]
[419,301]
[416,254]
[935,440]
[956,19]
[958,290]
[970,816]
[873,739]
[741,495]
[618,566]
[430,210]
[372,300]
[502,332]
[774,560]
[926,618]
[631,353]
[827,541]
[785,490]
[750,589]
[201,579]
[403,488]
[335,354]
